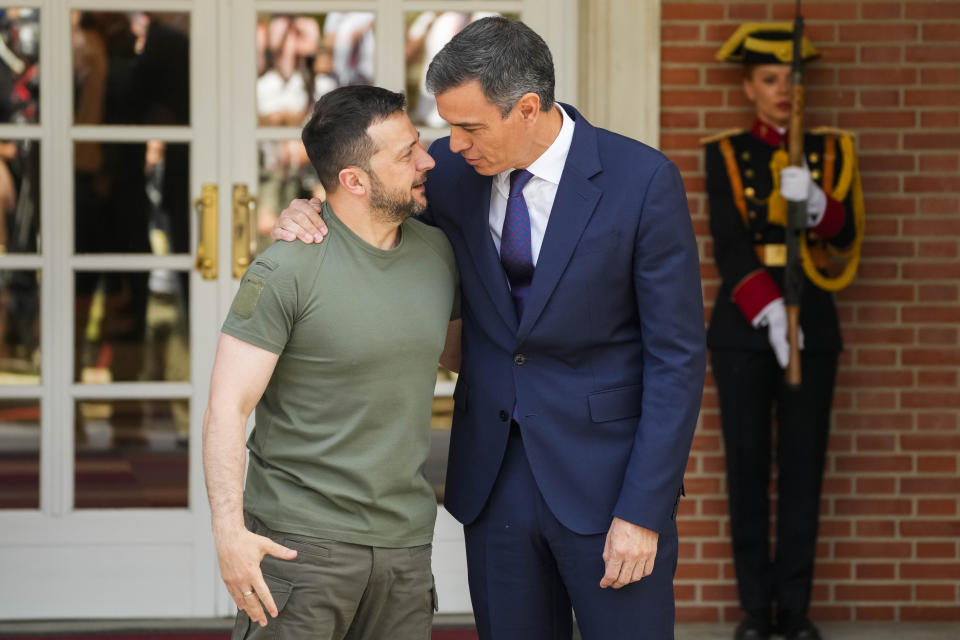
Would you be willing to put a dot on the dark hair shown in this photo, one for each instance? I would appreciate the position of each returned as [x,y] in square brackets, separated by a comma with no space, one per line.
[336,137]
[505,56]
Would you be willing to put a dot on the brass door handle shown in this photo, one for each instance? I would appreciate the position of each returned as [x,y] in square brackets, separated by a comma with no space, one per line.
[244,207]
[206,206]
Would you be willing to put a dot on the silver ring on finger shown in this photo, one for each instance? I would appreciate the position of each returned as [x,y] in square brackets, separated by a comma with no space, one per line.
[247,593]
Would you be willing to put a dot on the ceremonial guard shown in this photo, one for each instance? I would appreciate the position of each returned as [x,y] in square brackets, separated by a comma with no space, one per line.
[749,184]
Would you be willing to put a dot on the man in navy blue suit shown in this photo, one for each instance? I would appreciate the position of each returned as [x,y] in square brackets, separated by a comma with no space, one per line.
[583,346]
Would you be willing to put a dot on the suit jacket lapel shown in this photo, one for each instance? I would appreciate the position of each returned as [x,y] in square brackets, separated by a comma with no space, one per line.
[576,200]
[475,208]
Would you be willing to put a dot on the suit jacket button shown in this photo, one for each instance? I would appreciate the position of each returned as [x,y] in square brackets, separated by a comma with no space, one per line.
[504,416]
[519,359]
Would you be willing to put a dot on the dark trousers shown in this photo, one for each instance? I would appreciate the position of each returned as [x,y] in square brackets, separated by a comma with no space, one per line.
[752,390]
[526,570]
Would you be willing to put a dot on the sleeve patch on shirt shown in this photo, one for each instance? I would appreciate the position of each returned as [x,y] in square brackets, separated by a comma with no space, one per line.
[248,296]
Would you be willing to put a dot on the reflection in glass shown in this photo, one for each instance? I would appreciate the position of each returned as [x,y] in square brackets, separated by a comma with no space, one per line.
[19,327]
[285,173]
[301,57]
[427,32]
[131,453]
[19,196]
[132,326]
[19,65]
[19,454]
[131,67]
[132,197]
[436,467]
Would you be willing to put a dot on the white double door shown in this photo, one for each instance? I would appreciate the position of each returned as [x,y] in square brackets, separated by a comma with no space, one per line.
[128,127]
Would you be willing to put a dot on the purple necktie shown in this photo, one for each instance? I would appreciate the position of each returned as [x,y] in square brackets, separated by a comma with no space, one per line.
[516,254]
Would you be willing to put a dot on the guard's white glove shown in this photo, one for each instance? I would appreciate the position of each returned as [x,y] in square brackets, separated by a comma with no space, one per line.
[774,318]
[797,185]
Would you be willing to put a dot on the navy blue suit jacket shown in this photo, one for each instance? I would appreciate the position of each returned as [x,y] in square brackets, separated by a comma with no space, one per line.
[606,365]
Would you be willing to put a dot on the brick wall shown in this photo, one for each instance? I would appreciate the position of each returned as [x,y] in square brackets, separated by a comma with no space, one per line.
[890,524]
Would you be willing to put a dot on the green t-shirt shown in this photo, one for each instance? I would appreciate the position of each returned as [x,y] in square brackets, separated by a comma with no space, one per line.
[343,428]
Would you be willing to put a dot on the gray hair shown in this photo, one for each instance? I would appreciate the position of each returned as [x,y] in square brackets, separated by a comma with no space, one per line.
[505,56]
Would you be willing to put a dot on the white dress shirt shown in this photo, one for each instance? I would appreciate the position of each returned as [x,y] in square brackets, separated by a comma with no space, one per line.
[539,192]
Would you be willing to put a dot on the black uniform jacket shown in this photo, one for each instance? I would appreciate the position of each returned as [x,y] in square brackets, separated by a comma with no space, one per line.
[735,241]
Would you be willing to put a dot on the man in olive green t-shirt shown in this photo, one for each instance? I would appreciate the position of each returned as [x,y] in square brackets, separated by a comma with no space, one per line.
[337,346]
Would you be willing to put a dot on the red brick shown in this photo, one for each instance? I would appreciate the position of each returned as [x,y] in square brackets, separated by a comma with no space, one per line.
[876,400]
[687,53]
[672,76]
[913,184]
[936,592]
[696,614]
[936,549]
[937,378]
[887,162]
[875,571]
[941,31]
[940,75]
[937,421]
[832,11]
[921,141]
[875,529]
[877,32]
[875,614]
[880,184]
[879,141]
[697,571]
[930,400]
[880,98]
[876,271]
[933,10]
[879,293]
[723,120]
[937,507]
[933,53]
[932,97]
[833,529]
[876,486]
[862,76]
[929,614]
[876,443]
[698,11]
[939,162]
[679,32]
[833,486]
[939,119]
[862,463]
[871,507]
[945,485]
[927,571]
[931,528]
[937,464]
[834,54]
[832,98]
[881,54]
[929,314]
[718,593]
[928,442]
[876,357]
[882,315]
[880,10]
[946,249]
[864,379]
[939,206]
[690,98]
[937,335]
[870,592]
[921,357]
[936,227]
[832,571]
[749,11]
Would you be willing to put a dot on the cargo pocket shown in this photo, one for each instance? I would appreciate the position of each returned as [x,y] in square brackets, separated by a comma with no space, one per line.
[434,600]
[246,629]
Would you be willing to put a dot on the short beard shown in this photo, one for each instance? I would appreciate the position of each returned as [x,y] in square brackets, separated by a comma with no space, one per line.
[392,208]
